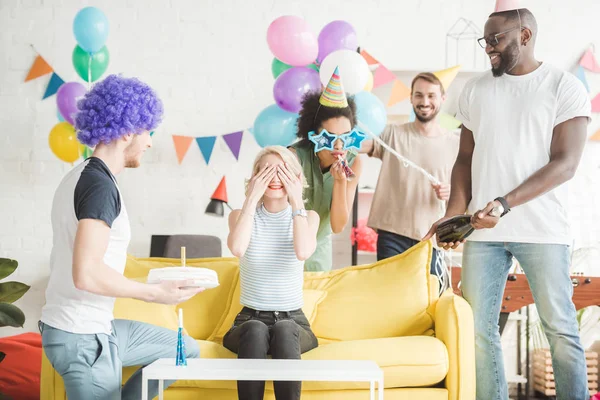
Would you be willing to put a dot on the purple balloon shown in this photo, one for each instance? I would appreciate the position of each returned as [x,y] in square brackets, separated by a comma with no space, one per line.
[291,86]
[66,99]
[336,35]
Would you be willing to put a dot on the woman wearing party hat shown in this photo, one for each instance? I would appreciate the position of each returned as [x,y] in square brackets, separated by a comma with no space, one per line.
[327,148]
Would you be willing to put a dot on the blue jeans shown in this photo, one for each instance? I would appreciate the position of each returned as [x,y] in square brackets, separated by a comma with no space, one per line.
[391,244]
[91,364]
[485,270]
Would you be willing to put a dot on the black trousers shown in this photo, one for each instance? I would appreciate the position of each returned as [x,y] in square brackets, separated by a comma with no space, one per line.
[282,334]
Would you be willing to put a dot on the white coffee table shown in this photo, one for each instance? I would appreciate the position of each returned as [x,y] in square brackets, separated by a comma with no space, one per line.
[263,370]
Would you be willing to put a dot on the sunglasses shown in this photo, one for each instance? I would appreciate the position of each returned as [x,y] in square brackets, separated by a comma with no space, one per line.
[326,140]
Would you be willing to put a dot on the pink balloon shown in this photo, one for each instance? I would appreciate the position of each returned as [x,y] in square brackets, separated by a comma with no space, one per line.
[291,41]
[66,99]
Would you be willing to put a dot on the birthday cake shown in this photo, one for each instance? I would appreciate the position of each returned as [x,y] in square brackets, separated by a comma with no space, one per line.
[202,277]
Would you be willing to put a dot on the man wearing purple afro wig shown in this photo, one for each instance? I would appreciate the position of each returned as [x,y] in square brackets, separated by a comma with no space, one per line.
[82,340]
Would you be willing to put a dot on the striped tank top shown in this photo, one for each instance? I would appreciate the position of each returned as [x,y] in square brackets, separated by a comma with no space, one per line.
[271,276]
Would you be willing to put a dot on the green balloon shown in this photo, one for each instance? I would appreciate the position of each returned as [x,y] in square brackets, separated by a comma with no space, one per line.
[314,66]
[99,61]
[87,152]
[278,67]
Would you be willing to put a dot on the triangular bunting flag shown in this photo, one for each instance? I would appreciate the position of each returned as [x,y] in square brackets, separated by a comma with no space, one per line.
[234,141]
[206,145]
[596,104]
[596,136]
[182,144]
[446,76]
[588,61]
[382,76]
[53,85]
[39,68]
[580,74]
[448,122]
[368,58]
[399,92]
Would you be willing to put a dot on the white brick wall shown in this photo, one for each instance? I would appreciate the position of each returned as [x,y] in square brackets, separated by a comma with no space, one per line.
[210,63]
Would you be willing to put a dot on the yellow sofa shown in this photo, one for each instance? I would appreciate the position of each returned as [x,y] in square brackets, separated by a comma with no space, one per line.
[388,312]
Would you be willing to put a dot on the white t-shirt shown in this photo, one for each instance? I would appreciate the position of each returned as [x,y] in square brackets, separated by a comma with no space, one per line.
[512,119]
[88,191]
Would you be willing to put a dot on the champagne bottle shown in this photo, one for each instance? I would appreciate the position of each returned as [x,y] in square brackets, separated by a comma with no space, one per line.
[455,229]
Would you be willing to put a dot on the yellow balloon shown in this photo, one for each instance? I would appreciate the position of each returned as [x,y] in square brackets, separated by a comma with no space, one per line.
[369,85]
[63,142]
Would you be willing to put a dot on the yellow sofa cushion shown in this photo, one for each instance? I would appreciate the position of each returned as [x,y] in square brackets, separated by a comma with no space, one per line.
[312,298]
[206,310]
[387,299]
[414,361]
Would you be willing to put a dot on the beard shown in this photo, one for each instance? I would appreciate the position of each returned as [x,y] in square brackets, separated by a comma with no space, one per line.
[430,117]
[508,59]
[132,160]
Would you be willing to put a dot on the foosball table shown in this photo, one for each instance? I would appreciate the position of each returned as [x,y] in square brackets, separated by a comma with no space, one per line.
[517,296]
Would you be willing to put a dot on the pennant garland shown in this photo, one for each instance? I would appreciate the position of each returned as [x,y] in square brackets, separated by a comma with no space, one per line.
[207,145]
[588,61]
[400,92]
[580,74]
[39,68]
[55,83]
[234,142]
[382,76]
[448,122]
[596,136]
[596,104]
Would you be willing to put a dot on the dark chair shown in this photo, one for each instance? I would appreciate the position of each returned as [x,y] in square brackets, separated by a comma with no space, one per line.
[196,246]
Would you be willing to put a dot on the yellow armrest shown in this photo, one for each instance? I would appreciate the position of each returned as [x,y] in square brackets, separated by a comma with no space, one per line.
[52,386]
[454,327]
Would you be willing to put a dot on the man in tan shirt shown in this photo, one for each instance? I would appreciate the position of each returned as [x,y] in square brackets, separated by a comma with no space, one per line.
[405,203]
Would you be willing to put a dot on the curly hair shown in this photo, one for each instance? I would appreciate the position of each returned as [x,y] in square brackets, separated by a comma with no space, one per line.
[313,114]
[115,107]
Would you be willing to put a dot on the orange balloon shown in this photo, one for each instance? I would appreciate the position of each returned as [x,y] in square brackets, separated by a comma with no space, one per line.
[63,142]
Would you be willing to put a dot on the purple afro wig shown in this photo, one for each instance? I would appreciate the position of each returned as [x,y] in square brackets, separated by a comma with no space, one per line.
[115,107]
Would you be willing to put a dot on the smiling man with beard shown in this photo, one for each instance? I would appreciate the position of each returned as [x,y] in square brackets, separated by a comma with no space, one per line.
[405,203]
[524,130]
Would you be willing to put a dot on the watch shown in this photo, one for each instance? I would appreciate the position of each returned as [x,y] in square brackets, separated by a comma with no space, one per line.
[503,209]
[301,212]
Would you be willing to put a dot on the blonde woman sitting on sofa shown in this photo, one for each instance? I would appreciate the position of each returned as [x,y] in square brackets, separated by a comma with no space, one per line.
[272,235]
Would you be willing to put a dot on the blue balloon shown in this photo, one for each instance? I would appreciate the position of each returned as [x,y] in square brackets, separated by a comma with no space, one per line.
[91,29]
[59,116]
[274,126]
[370,112]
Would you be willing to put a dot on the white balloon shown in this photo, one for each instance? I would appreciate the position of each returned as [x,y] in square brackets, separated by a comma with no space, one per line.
[354,70]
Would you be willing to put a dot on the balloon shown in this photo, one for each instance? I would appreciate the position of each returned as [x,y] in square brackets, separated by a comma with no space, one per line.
[370,111]
[336,35]
[292,85]
[354,70]
[99,63]
[59,116]
[66,99]
[278,67]
[63,142]
[291,41]
[274,126]
[85,151]
[91,29]
[369,86]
